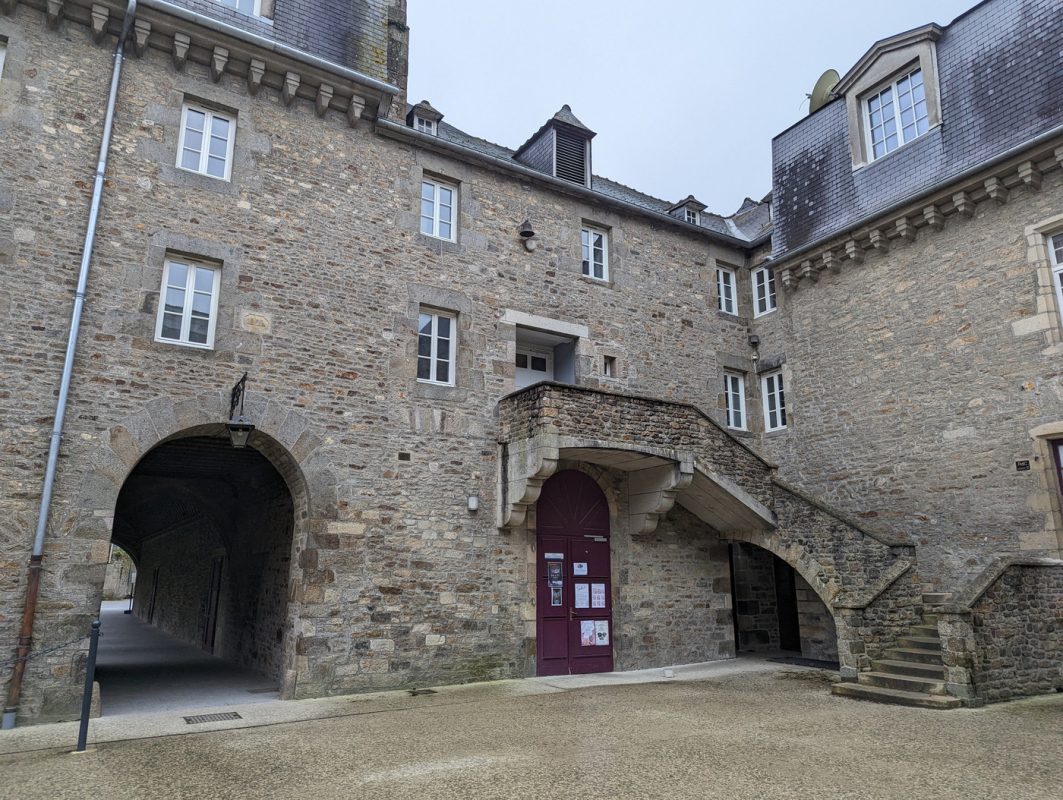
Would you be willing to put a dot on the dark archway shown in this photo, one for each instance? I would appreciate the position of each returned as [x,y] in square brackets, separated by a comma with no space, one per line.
[211,529]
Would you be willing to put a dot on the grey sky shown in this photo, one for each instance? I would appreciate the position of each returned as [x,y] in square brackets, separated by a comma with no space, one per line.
[685,96]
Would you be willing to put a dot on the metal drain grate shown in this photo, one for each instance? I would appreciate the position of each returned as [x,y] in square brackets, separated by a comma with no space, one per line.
[222,717]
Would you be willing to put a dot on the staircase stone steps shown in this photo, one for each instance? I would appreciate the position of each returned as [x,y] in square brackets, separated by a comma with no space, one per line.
[930,631]
[907,683]
[920,642]
[913,654]
[880,694]
[917,668]
[930,619]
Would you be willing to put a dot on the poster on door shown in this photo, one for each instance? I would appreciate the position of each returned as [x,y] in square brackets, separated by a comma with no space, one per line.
[597,595]
[587,633]
[601,632]
[583,595]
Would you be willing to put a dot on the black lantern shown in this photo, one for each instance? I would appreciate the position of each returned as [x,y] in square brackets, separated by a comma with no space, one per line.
[239,426]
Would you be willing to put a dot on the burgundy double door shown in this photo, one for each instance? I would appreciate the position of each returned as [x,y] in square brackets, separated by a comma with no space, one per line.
[574,611]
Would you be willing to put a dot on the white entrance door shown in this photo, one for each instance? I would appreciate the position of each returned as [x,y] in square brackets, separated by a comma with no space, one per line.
[533,365]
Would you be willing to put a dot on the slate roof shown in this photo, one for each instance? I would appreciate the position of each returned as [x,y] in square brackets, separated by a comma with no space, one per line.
[754,222]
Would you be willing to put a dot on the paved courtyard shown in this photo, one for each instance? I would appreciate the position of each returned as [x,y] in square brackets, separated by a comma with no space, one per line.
[762,732]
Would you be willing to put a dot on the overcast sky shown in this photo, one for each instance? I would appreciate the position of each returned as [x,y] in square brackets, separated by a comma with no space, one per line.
[685,96]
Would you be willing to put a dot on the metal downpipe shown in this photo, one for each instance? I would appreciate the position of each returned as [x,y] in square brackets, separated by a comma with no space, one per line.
[25,641]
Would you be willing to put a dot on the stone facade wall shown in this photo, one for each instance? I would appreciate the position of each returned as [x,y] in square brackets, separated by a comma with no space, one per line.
[119,577]
[756,606]
[1017,627]
[916,379]
[819,635]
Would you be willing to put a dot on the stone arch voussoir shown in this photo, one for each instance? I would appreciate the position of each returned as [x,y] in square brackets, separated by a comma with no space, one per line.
[811,570]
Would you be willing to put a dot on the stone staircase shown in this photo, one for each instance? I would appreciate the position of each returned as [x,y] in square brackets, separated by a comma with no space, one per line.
[911,674]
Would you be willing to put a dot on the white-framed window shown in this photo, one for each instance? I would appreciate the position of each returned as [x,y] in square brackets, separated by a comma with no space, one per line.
[1055,255]
[437,333]
[206,142]
[534,364]
[692,216]
[3,52]
[725,290]
[437,209]
[734,392]
[897,114]
[595,256]
[424,125]
[188,303]
[771,390]
[609,367]
[763,291]
[249,7]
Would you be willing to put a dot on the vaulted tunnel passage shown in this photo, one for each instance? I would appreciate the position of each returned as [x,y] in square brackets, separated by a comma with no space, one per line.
[210,527]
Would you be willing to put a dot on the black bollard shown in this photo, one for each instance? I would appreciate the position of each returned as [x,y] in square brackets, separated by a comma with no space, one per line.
[90,674]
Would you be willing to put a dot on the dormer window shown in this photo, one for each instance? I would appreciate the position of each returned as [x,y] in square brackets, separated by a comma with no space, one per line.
[561,147]
[692,216]
[424,125]
[897,114]
[688,209]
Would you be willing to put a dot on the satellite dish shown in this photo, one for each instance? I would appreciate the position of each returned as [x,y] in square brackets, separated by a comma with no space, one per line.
[821,93]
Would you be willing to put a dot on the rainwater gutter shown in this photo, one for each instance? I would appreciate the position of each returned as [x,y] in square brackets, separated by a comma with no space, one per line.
[33,579]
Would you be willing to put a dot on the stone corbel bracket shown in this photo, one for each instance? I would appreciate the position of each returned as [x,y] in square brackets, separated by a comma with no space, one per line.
[55,12]
[141,35]
[527,464]
[101,15]
[8,6]
[652,493]
[219,57]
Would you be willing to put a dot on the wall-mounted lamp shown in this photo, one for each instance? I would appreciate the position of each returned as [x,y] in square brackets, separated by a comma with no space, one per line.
[474,503]
[754,342]
[239,426]
[527,235]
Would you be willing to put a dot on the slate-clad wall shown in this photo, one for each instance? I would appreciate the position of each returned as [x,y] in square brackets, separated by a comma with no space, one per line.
[1001,84]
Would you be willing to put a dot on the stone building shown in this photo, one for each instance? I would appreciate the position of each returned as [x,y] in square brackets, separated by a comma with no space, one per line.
[510,417]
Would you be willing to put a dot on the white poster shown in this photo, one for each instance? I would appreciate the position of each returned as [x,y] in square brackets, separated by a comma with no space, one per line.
[601,632]
[597,595]
[579,567]
[583,595]
[587,633]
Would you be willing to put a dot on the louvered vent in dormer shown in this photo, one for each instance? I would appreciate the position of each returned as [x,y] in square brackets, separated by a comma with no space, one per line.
[561,147]
[570,157]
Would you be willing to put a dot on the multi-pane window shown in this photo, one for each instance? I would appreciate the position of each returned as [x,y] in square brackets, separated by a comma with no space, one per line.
[437,209]
[691,216]
[188,305]
[250,7]
[725,290]
[424,125]
[1055,254]
[206,144]
[763,291]
[734,392]
[595,244]
[897,114]
[436,333]
[774,401]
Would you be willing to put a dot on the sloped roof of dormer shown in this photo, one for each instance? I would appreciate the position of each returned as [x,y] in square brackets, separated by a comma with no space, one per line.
[564,118]
[689,202]
[424,110]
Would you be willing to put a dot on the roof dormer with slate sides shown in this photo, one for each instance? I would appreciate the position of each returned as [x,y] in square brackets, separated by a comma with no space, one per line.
[561,147]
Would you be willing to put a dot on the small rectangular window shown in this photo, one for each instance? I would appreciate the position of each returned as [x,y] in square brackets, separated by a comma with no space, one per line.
[774,401]
[897,114]
[424,125]
[692,216]
[734,391]
[249,7]
[609,366]
[437,209]
[206,142]
[725,290]
[595,256]
[763,291]
[3,52]
[436,347]
[1055,255]
[188,303]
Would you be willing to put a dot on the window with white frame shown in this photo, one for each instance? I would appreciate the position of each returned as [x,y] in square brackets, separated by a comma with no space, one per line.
[774,401]
[188,303]
[897,114]
[734,392]
[725,290]
[424,125]
[436,347]
[763,291]
[1055,255]
[206,143]
[437,209]
[249,7]
[3,52]
[595,256]
[692,216]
